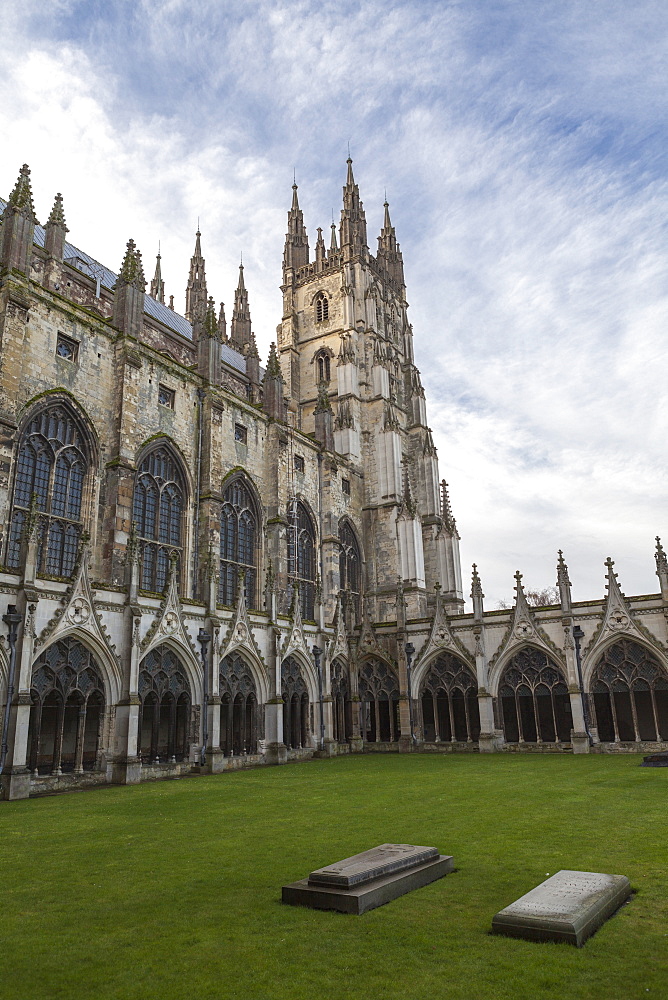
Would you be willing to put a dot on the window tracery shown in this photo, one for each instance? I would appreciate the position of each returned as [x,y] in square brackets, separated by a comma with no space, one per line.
[629,695]
[323,367]
[379,702]
[321,307]
[301,558]
[67,709]
[296,728]
[157,511]
[51,466]
[449,702]
[240,722]
[238,544]
[534,700]
[164,713]
[350,567]
[341,709]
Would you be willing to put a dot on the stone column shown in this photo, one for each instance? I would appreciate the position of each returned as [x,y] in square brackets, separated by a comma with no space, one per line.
[276,751]
[126,769]
[16,776]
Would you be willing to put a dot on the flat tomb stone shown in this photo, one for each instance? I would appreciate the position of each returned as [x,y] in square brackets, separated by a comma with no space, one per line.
[373,864]
[569,907]
[362,885]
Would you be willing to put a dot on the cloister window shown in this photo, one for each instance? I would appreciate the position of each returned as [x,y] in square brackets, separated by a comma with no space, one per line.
[296,728]
[157,512]
[164,714]
[321,307]
[51,465]
[67,709]
[238,544]
[322,367]
[301,557]
[534,700]
[629,692]
[340,702]
[449,702]
[240,723]
[379,703]
[350,567]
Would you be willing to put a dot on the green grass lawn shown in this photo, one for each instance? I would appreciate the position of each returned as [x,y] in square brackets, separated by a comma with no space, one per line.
[172,890]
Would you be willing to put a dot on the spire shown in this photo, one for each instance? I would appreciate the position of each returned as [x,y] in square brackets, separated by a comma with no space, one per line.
[389,252]
[21,196]
[319,249]
[157,285]
[18,227]
[273,386]
[240,331]
[210,324]
[564,584]
[208,345]
[222,323]
[252,351]
[196,296]
[296,250]
[56,230]
[333,247]
[477,595]
[661,568]
[353,219]
[129,293]
[446,510]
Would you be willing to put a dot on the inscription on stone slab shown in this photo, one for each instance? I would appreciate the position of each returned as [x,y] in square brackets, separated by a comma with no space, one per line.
[369,865]
[570,906]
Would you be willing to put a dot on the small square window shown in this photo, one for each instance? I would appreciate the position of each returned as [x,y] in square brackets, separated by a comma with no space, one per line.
[66,348]
[345,486]
[240,433]
[166,396]
[299,463]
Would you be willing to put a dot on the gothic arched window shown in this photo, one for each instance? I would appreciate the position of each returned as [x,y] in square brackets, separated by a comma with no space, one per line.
[379,703]
[534,700]
[164,714]
[301,557]
[238,544]
[629,691]
[449,702]
[66,712]
[240,718]
[341,708]
[51,466]
[296,727]
[323,369]
[157,512]
[350,567]
[321,307]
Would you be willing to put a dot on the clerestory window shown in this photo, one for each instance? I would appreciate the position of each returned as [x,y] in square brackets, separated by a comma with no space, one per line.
[238,544]
[157,512]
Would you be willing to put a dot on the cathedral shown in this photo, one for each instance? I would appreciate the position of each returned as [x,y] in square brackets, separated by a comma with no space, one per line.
[209,563]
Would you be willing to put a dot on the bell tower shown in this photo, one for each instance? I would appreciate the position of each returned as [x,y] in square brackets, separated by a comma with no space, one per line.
[345,338]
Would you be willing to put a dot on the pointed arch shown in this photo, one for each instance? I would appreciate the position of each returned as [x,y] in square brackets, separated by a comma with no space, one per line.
[628,692]
[110,670]
[378,687]
[240,539]
[69,698]
[351,565]
[55,458]
[303,555]
[297,700]
[166,695]
[241,719]
[341,704]
[159,512]
[532,698]
[321,306]
[446,690]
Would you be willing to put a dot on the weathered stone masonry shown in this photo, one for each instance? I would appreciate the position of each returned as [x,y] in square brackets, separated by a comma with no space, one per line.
[158,487]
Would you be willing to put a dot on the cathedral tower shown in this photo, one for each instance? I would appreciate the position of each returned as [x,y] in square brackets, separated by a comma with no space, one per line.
[345,338]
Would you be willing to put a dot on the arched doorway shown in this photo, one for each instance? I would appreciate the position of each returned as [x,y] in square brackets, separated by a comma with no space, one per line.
[240,723]
[629,695]
[341,713]
[449,702]
[67,710]
[165,711]
[379,702]
[534,701]
[296,716]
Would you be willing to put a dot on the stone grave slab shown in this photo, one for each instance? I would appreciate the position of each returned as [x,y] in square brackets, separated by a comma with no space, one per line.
[369,879]
[569,907]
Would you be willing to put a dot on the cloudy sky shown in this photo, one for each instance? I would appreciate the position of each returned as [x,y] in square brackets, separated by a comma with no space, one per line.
[522,144]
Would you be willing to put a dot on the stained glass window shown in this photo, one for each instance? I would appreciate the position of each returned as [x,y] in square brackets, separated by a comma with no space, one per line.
[157,512]
[238,543]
